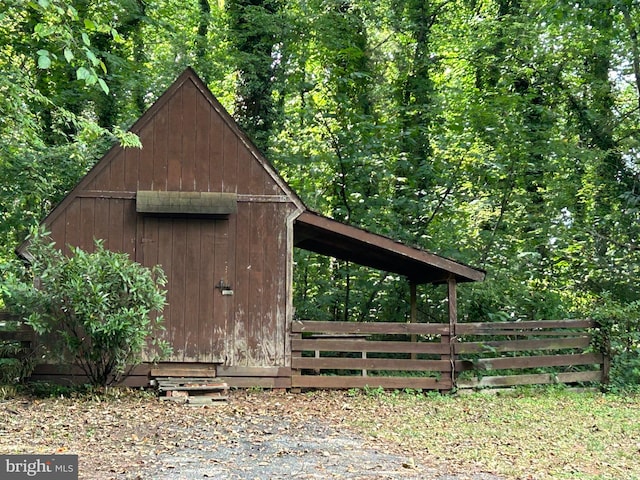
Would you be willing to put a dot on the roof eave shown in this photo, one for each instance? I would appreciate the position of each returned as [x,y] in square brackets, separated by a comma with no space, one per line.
[346,242]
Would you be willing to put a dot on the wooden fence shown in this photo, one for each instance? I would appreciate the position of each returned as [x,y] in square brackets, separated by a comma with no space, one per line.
[352,352]
[524,353]
[442,357]
[430,356]
[12,330]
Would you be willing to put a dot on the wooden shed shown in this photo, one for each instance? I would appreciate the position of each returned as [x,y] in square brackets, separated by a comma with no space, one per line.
[203,202]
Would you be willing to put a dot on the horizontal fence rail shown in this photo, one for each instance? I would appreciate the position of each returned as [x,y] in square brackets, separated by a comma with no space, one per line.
[440,356]
[498,354]
[356,355]
[12,329]
[429,356]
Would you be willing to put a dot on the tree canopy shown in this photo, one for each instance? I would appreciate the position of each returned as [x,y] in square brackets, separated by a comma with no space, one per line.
[502,133]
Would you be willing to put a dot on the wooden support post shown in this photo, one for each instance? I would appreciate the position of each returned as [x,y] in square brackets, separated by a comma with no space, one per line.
[364,372]
[606,358]
[414,313]
[453,320]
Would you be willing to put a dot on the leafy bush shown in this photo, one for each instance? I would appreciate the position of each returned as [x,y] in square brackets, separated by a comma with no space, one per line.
[18,354]
[16,362]
[101,306]
[618,336]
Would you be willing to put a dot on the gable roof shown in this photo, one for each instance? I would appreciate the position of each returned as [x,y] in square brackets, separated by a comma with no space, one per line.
[311,231]
[189,76]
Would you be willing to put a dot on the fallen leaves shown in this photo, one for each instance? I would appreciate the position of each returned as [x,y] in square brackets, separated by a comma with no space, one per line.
[528,437]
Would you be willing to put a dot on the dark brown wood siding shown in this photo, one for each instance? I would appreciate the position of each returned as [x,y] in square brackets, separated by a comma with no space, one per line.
[191,145]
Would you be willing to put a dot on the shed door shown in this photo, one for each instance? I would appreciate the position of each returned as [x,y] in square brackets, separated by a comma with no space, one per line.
[197,258]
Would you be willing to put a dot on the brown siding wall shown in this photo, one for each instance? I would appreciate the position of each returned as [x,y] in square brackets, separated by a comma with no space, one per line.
[189,146]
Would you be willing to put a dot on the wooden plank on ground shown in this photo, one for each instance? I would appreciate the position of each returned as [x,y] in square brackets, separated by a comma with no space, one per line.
[324,363]
[320,381]
[333,345]
[532,379]
[184,372]
[222,386]
[538,361]
[522,345]
[354,328]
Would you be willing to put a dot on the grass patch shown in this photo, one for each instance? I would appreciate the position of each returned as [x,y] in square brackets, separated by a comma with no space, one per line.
[527,434]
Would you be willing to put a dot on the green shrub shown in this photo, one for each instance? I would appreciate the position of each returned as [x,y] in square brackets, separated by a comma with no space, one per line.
[101,307]
[618,335]
[16,362]
[17,355]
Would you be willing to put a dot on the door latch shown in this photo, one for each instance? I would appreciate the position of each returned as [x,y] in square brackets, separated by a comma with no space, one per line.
[224,288]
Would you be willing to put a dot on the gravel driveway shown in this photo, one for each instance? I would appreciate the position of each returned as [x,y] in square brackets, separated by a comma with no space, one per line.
[266,448]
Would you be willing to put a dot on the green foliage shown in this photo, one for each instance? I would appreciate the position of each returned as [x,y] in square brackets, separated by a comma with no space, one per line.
[101,306]
[17,362]
[618,336]
[502,134]
[17,357]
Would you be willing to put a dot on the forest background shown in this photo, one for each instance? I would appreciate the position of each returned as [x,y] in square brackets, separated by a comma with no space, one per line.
[502,133]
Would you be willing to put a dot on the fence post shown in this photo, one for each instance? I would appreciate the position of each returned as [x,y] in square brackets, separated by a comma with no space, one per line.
[452,296]
[605,348]
[414,313]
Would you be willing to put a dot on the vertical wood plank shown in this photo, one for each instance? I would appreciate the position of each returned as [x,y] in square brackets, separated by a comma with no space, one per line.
[147,157]
[226,255]
[189,138]
[102,180]
[216,151]
[116,169]
[101,212]
[241,351]
[130,227]
[208,335]
[147,255]
[165,260]
[178,284]
[72,227]
[270,186]
[174,142]
[131,165]
[193,265]
[275,277]
[259,337]
[252,180]
[115,222]
[224,268]
[203,136]
[160,149]
[149,241]
[87,216]
[58,230]
[230,161]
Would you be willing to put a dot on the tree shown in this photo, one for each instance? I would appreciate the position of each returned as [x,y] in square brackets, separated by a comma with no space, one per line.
[53,76]
[254,26]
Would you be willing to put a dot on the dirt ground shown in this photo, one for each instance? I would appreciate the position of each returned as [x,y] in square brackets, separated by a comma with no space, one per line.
[263,435]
